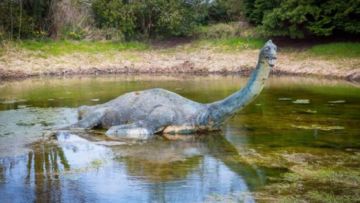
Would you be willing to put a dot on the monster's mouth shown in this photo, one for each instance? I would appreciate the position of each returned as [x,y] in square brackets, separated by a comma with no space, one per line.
[271,61]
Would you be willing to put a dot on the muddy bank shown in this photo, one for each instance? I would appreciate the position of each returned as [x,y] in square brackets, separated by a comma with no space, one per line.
[200,62]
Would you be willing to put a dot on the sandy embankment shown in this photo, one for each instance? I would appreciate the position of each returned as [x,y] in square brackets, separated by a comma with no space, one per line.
[205,61]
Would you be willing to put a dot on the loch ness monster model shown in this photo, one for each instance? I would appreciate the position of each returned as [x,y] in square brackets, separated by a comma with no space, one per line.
[142,114]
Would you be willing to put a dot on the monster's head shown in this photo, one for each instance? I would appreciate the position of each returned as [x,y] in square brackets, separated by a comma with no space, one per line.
[268,53]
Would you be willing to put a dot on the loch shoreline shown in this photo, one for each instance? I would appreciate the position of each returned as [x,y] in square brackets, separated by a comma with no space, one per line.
[20,64]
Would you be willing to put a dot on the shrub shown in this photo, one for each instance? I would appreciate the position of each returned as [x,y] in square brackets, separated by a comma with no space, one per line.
[217,31]
[301,18]
[224,11]
[2,34]
[72,33]
[15,21]
[149,18]
[44,18]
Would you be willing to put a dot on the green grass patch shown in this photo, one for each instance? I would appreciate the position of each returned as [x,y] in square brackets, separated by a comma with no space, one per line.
[235,43]
[337,49]
[221,44]
[320,196]
[56,48]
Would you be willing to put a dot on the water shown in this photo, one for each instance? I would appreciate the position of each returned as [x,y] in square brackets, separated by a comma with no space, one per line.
[299,140]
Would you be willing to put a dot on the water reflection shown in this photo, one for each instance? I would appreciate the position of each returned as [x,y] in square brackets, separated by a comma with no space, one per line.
[171,158]
[44,164]
[159,170]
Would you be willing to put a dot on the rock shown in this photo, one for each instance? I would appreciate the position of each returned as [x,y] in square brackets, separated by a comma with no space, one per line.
[337,102]
[354,75]
[110,143]
[307,111]
[301,101]
[284,99]
[318,127]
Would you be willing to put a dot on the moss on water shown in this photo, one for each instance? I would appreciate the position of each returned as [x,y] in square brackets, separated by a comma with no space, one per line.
[314,185]
[314,176]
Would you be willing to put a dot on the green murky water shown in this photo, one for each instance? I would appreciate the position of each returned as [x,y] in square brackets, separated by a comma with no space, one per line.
[300,140]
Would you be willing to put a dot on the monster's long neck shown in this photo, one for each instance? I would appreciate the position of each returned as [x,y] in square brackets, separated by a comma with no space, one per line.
[221,110]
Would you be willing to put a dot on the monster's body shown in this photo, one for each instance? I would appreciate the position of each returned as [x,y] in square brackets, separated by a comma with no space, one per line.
[156,110]
[143,113]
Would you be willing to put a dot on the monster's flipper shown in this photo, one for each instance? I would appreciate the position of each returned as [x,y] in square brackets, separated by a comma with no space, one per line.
[91,120]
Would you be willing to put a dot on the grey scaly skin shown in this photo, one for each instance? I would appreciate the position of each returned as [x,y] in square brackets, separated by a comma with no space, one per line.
[142,114]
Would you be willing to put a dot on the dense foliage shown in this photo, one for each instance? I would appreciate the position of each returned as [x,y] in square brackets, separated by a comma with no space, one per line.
[24,18]
[129,19]
[150,17]
[224,11]
[301,18]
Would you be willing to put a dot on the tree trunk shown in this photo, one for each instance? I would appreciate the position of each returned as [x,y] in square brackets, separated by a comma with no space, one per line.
[11,21]
[20,20]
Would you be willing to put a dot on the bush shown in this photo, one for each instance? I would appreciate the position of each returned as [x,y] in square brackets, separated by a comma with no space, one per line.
[2,34]
[224,11]
[72,33]
[14,20]
[114,35]
[44,18]
[70,19]
[149,18]
[301,18]
[217,31]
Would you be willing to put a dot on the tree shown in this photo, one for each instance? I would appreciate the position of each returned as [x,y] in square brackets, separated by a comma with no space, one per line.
[149,18]
[301,18]
[24,18]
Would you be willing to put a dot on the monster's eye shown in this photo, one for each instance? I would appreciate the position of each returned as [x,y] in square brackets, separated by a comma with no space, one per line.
[267,48]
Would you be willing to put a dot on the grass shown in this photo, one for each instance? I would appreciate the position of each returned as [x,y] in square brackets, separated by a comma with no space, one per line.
[235,43]
[318,196]
[56,48]
[337,50]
